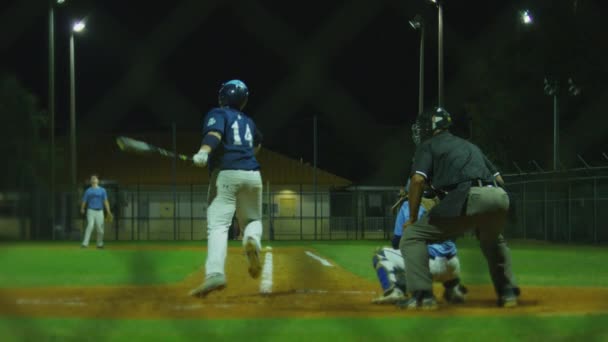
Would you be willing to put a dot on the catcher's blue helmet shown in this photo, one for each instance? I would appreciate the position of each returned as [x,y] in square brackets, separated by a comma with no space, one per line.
[233,94]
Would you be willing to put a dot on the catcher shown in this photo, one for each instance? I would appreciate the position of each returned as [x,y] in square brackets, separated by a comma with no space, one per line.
[443,260]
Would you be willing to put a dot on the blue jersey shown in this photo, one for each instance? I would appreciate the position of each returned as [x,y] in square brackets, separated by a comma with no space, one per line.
[94,197]
[239,137]
[446,249]
[403,216]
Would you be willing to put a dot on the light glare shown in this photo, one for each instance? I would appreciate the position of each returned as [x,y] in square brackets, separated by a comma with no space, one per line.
[79,26]
[526,18]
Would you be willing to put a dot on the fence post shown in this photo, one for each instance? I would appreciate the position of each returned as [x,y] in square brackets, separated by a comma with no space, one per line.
[132,217]
[545,216]
[175,220]
[355,201]
[595,199]
[148,218]
[301,200]
[363,215]
[174,174]
[569,211]
[523,209]
[272,210]
[270,227]
[138,212]
[35,211]
[191,212]
[118,204]
[322,230]
[331,220]
[357,218]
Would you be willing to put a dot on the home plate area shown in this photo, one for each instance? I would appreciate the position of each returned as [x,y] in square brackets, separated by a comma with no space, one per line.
[295,282]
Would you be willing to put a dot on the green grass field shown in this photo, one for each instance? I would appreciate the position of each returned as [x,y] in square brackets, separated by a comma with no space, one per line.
[57,264]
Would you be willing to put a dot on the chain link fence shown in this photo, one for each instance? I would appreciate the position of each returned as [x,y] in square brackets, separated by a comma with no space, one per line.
[561,209]
[568,208]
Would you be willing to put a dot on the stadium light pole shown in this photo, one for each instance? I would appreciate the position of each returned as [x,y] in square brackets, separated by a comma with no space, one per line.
[51,108]
[552,88]
[77,27]
[418,24]
[439,4]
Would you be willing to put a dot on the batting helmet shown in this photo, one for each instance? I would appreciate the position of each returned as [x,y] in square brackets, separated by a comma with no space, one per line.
[430,121]
[233,94]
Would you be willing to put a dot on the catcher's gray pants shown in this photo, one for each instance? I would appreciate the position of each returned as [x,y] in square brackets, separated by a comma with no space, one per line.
[486,212]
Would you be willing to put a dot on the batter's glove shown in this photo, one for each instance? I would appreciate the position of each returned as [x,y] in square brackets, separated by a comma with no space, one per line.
[200,159]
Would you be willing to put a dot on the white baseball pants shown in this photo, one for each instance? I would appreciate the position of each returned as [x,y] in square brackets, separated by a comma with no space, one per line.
[441,268]
[94,218]
[232,191]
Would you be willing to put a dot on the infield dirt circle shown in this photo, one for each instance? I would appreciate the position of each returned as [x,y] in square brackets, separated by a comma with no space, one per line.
[302,286]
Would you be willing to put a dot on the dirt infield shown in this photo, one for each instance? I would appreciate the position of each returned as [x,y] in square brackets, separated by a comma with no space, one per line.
[301,287]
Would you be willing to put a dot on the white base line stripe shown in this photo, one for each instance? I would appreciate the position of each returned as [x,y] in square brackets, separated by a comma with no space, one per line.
[59,301]
[266,283]
[319,259]
[320,291]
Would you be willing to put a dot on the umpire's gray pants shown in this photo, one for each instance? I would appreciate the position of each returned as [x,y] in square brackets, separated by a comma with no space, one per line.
[486,212]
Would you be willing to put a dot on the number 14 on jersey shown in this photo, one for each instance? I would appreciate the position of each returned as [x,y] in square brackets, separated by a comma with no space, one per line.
[237,135]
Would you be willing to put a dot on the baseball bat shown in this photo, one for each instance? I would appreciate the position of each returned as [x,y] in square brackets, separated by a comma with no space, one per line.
[140,147]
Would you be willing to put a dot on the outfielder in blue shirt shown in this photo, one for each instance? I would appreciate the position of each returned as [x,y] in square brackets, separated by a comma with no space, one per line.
[94,200]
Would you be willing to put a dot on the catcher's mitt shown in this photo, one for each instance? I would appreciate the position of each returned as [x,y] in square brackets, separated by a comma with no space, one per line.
[109,218]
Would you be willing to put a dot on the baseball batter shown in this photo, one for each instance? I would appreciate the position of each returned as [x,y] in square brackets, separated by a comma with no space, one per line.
[230,142]
[443,260]
[94,200]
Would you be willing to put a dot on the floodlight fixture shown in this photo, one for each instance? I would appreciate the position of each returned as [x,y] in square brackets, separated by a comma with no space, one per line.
[79,26]
[573,89]
[417,22]
[526,17]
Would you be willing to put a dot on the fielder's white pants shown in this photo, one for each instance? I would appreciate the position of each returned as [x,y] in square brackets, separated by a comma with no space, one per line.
[441,268]
[94,218]
[232,191]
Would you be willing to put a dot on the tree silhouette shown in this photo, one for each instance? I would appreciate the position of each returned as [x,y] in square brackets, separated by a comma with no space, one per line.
[21,121]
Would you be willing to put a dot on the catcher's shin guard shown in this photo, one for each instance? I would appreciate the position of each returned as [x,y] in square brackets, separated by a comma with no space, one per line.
[382,272]
[383,277]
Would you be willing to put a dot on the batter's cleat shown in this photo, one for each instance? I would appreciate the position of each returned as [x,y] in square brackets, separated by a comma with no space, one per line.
[391,296]
[214,282]
[253,256]
[508,299]
[455,294]
[99,247]
[419,301]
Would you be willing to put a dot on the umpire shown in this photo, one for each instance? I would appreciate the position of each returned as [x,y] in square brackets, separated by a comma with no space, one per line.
[472,198]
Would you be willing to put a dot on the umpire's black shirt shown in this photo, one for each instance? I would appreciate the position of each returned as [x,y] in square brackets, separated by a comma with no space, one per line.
[451,164]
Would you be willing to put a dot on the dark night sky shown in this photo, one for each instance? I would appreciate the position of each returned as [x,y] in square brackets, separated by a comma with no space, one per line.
[356,69]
